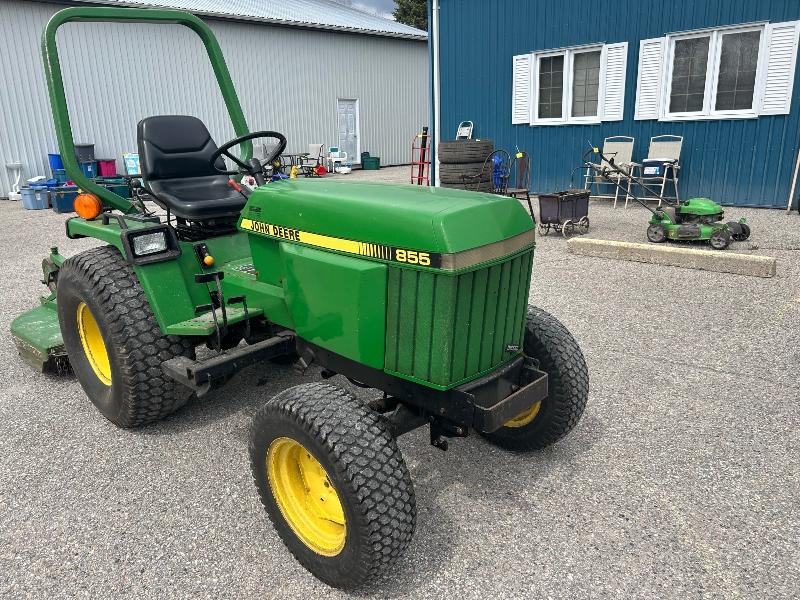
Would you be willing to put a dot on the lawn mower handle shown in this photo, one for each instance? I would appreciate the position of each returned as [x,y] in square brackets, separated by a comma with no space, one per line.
[609,160]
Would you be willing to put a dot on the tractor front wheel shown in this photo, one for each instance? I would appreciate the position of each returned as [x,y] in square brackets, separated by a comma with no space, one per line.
[333,483]
[114,344]
[552,345]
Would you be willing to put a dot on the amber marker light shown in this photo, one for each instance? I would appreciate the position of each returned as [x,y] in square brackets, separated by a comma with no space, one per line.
[88,206]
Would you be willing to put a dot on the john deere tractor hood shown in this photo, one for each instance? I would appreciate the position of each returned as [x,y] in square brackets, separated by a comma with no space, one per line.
[434,219]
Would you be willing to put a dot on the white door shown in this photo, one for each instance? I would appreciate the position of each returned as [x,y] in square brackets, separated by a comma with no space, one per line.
[347,117]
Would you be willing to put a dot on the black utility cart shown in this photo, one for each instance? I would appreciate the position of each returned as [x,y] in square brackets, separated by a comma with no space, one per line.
[567,212]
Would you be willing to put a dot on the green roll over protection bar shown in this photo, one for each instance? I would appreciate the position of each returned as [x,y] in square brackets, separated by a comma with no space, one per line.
[58,101]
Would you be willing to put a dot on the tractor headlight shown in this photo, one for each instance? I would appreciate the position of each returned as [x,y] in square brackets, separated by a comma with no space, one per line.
[150,243]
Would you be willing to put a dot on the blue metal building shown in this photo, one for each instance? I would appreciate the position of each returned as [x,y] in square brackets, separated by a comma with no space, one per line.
[549,76]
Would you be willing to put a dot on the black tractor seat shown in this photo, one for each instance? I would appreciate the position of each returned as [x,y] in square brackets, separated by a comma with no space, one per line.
[174,157]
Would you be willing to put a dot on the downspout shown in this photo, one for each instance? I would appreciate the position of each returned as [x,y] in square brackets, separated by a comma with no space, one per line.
[794,185]
[433,36]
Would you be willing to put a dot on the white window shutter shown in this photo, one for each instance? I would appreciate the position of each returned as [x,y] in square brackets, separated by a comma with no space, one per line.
[521,92]
[615,60]
[648,79]
[776,98]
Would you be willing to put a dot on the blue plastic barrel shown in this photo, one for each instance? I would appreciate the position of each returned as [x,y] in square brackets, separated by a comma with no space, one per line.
[35,198]
[55,162]
[89,169]
[63,198]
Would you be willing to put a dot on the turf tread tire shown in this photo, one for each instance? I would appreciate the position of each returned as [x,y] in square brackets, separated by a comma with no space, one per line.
[361,456]
[140,392]
[550,342]
[473,172]
[453,152]
[483,186]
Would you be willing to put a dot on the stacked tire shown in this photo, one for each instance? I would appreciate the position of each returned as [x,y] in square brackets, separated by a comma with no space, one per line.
[461,164]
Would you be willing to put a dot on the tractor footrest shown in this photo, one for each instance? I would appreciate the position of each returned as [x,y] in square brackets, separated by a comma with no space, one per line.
[504,394]
[203,325]
[202,376]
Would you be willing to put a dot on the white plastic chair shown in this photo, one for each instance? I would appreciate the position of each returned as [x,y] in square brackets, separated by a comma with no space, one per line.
[335,156]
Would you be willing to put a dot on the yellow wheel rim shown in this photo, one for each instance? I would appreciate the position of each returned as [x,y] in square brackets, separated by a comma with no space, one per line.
[93,345]
[524,417]
[306,497]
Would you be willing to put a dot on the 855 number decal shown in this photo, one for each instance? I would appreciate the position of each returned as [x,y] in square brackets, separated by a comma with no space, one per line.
[412,257]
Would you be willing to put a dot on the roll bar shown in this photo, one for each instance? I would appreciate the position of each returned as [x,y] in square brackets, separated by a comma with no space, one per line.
[58,100]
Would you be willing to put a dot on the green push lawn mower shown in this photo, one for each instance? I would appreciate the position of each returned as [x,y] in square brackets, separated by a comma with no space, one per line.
[696,219]
[420,293]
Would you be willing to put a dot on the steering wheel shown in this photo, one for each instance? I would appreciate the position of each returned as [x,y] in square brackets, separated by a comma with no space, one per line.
[254,166]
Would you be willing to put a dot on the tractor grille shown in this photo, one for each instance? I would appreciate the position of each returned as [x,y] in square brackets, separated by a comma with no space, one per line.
[445,329]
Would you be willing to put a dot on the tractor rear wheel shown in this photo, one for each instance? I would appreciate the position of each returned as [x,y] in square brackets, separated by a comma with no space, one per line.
[333,483]
[552,345]
[114,344]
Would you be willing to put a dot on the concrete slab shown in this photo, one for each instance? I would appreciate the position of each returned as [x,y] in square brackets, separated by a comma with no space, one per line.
[676,256]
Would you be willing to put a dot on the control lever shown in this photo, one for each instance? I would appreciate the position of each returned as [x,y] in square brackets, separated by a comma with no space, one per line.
[242,190]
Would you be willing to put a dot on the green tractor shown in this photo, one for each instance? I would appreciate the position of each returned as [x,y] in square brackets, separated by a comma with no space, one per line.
[420,293]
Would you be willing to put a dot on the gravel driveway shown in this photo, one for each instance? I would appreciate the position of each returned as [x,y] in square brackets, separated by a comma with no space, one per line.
[681,480]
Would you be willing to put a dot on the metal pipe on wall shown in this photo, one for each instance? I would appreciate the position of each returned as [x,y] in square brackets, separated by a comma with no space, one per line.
[794,185]
[433,39]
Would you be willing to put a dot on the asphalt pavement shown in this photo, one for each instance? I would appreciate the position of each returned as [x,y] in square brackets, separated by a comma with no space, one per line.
[680,481]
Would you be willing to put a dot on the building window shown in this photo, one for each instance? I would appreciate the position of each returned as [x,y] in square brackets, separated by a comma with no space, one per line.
[586,84]
[738,65]
[551,86]
[714,73]
[689,65]
[582,84]
[740,71]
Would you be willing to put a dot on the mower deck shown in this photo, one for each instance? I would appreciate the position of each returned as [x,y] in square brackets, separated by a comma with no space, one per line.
[37,335]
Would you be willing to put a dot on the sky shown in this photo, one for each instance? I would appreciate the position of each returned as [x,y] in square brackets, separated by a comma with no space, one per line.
[381,7]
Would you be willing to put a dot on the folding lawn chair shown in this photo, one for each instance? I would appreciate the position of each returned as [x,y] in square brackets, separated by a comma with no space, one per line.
[464,131]
[620,147]
[661,165]
[309,161]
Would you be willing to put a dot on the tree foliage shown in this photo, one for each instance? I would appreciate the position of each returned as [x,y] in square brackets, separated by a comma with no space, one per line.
[412,12]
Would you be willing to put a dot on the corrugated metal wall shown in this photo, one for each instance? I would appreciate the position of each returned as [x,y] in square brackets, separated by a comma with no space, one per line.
[744,162]
[288,79]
